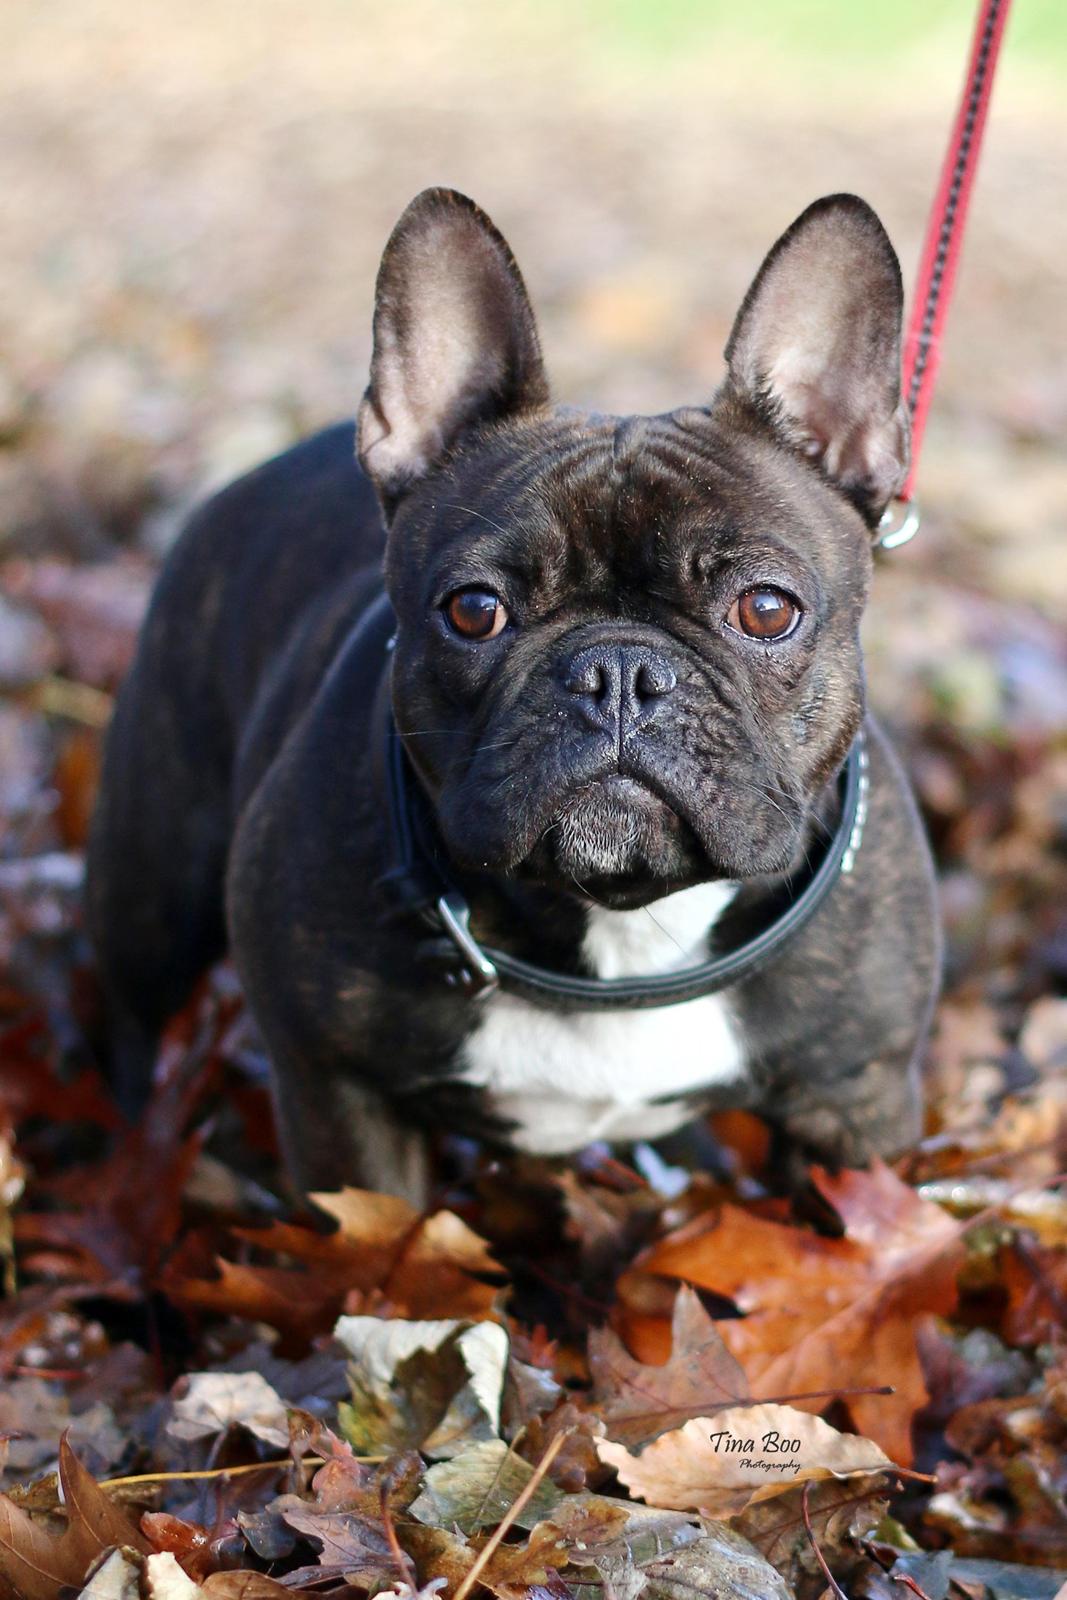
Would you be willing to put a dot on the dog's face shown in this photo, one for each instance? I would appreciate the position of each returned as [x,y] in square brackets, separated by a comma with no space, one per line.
[627,658]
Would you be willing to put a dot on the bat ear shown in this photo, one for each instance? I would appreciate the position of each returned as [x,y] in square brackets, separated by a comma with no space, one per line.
[455,343]
[816,349]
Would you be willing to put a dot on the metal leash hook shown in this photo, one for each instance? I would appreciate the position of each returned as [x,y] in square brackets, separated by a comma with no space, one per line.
[899,524]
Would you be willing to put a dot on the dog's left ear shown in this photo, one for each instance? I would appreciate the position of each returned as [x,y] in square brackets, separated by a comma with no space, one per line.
[816,349]
[455,343]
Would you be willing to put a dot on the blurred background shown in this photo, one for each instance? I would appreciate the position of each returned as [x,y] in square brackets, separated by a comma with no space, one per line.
[195,199]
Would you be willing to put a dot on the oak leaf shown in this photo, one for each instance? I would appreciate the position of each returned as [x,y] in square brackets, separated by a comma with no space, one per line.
[37,1564]
[830,1314]
[513,1570]
[637,1401]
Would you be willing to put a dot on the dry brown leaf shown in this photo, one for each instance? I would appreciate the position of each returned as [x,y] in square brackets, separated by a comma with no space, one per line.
[720,1465]
[830,1314]
[38,1564]
[637,1401]
[839,1513]
[383,1257]
[244,1585]
[94,1517]
[211,1403]
[513,1569]
[34,1562]
[350,1545]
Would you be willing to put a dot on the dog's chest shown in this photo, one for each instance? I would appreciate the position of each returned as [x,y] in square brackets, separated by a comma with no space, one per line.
[565,1079]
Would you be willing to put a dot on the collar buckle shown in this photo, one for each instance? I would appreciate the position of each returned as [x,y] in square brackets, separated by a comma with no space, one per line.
[477,976]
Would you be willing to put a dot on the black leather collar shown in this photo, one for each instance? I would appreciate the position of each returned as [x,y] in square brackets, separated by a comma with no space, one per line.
[421,889]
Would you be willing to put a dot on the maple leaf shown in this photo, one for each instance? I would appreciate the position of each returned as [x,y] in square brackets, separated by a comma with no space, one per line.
[719,1466]
[383,1255]
[830,1313]
[637,1401]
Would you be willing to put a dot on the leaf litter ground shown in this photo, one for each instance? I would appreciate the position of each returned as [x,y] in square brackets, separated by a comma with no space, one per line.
[558,1382]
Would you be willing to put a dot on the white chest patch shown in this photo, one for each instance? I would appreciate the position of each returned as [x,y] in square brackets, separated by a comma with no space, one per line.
[567,1079]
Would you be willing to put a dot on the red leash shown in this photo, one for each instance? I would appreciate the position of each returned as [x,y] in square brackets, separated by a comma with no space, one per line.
[943,241]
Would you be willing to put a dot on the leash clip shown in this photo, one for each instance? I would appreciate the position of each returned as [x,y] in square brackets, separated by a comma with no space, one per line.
[477,976]
[898,526]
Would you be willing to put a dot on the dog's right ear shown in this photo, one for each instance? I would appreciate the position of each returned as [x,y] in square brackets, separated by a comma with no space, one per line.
[455,343]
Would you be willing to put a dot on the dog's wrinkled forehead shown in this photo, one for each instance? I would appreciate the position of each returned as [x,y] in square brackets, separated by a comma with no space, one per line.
[566,502]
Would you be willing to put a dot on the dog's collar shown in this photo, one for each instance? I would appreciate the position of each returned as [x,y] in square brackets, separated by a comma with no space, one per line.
[421,889]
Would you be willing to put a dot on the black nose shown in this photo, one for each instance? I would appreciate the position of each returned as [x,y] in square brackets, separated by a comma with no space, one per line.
[614,684]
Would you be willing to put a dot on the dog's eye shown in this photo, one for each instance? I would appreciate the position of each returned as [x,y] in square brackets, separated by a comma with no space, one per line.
[476,613]
[763,614]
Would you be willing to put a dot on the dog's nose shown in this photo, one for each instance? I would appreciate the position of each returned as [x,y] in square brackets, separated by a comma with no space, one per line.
[614,684]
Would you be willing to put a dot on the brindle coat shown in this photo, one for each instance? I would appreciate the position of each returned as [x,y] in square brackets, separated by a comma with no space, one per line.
[238,804]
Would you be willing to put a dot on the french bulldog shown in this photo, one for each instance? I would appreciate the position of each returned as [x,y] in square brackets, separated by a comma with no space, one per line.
[519,754]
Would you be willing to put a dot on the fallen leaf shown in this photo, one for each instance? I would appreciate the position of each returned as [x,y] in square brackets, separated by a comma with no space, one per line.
[122,1222]
[840,1514]
[35,1563]
[830,1314]
[244,1585]
[477,1487]
[383,1256]
[94,1517]
[116,1578]
[720,1465]
[637,1401]
[436,1386]
[213,1402]
[38,1564]
[188,1542]
[660,1555]
[722,1566]
[349,1545]
[513,1570]
[165,1580]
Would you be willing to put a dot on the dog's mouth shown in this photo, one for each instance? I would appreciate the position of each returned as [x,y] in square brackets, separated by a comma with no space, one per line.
[626,837]
[615,836]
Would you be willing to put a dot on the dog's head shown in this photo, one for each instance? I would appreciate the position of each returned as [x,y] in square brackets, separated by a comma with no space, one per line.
[628,655]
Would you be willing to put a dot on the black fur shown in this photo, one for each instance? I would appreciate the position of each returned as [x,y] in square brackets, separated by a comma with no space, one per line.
[238,804]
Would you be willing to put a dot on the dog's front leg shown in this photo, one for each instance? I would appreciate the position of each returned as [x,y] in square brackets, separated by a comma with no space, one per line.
[334,1131]
[876,1110]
